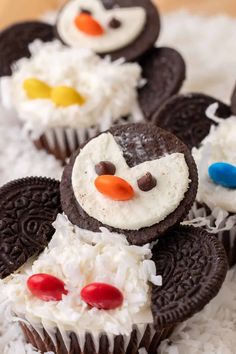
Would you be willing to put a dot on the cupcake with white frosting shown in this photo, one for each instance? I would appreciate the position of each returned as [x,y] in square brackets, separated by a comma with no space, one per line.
[81,259]
[216,197]
[65,95]
[108,285]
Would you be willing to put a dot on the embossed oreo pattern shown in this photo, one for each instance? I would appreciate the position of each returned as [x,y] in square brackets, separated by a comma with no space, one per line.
[27,209]
[184,116]
[164,69]
[15,39]
[193,266]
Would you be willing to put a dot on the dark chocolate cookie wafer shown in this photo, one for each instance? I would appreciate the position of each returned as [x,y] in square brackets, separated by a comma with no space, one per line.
[193,267]
[164,69]
[233,101]
[14,42]
[139,143]
[185,116]
[145,40]
[28,207]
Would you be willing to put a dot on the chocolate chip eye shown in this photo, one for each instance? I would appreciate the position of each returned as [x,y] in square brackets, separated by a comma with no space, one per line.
[105,168]
[147,182]
[85,11]
[114,23]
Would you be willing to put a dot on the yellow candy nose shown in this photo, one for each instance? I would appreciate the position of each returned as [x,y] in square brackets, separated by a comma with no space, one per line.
[36,89]
[65,96]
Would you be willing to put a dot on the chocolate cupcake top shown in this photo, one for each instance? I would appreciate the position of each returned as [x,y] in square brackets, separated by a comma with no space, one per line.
[137,179]
[104,26]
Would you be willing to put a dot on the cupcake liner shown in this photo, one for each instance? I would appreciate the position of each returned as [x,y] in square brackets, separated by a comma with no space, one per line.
[142,338]
[62,142]
[218,222]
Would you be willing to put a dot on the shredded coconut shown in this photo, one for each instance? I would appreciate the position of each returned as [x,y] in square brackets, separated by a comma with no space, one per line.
[211,68]
[109,88]
[80,257]
[218,146]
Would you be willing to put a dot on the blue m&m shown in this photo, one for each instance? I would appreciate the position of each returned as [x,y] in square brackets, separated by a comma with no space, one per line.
[223,174]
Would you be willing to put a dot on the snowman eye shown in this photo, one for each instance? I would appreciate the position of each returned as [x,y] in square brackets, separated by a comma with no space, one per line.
[105,168]
[114,23]
[85,11]
[147,182]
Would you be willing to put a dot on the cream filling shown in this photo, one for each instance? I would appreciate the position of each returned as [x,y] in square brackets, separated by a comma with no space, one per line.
[218,146]
[146,208]
[132,20]
[110,89]
[79,257]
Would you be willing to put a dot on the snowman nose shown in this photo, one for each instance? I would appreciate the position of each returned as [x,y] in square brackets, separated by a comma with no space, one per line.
[114,187]
[86,23]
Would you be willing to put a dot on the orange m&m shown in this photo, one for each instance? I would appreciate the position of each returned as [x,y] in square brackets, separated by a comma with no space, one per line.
[114,187]
[87,24]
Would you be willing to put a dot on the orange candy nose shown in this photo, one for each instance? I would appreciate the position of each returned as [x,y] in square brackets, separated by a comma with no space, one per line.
[114,187]
[87,24]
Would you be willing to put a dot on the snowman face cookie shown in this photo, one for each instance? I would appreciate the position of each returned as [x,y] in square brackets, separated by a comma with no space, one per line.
[119,28]
[127,198]
[135,179]
[106,30]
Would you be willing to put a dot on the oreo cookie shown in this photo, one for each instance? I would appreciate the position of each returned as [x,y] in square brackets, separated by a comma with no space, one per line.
[14,42]
[145,40]
[185,116]
[165,70]
[138,143]
[28,207]
[193,267]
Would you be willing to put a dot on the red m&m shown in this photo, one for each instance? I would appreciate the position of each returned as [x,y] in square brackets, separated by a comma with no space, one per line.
[46,287]
[102,296]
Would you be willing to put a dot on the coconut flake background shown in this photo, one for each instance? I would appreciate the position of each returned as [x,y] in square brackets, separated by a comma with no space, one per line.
[209,48]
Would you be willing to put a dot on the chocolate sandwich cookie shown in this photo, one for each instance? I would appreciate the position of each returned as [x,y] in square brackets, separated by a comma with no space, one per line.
[14,42]
[193,266]
[147,185]
[120,28]
[164,69]
[28,207]
[185,116]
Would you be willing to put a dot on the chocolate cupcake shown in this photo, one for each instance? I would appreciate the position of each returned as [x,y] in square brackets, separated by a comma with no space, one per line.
[65,94]
[212,139]
[108,290]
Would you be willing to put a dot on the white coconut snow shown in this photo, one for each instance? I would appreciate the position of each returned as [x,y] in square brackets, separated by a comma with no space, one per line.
[209,48]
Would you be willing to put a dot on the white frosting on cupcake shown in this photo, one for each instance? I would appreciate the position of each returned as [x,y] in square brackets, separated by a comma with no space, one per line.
[132,22]
[109,89]
[79,257]
[218,146]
